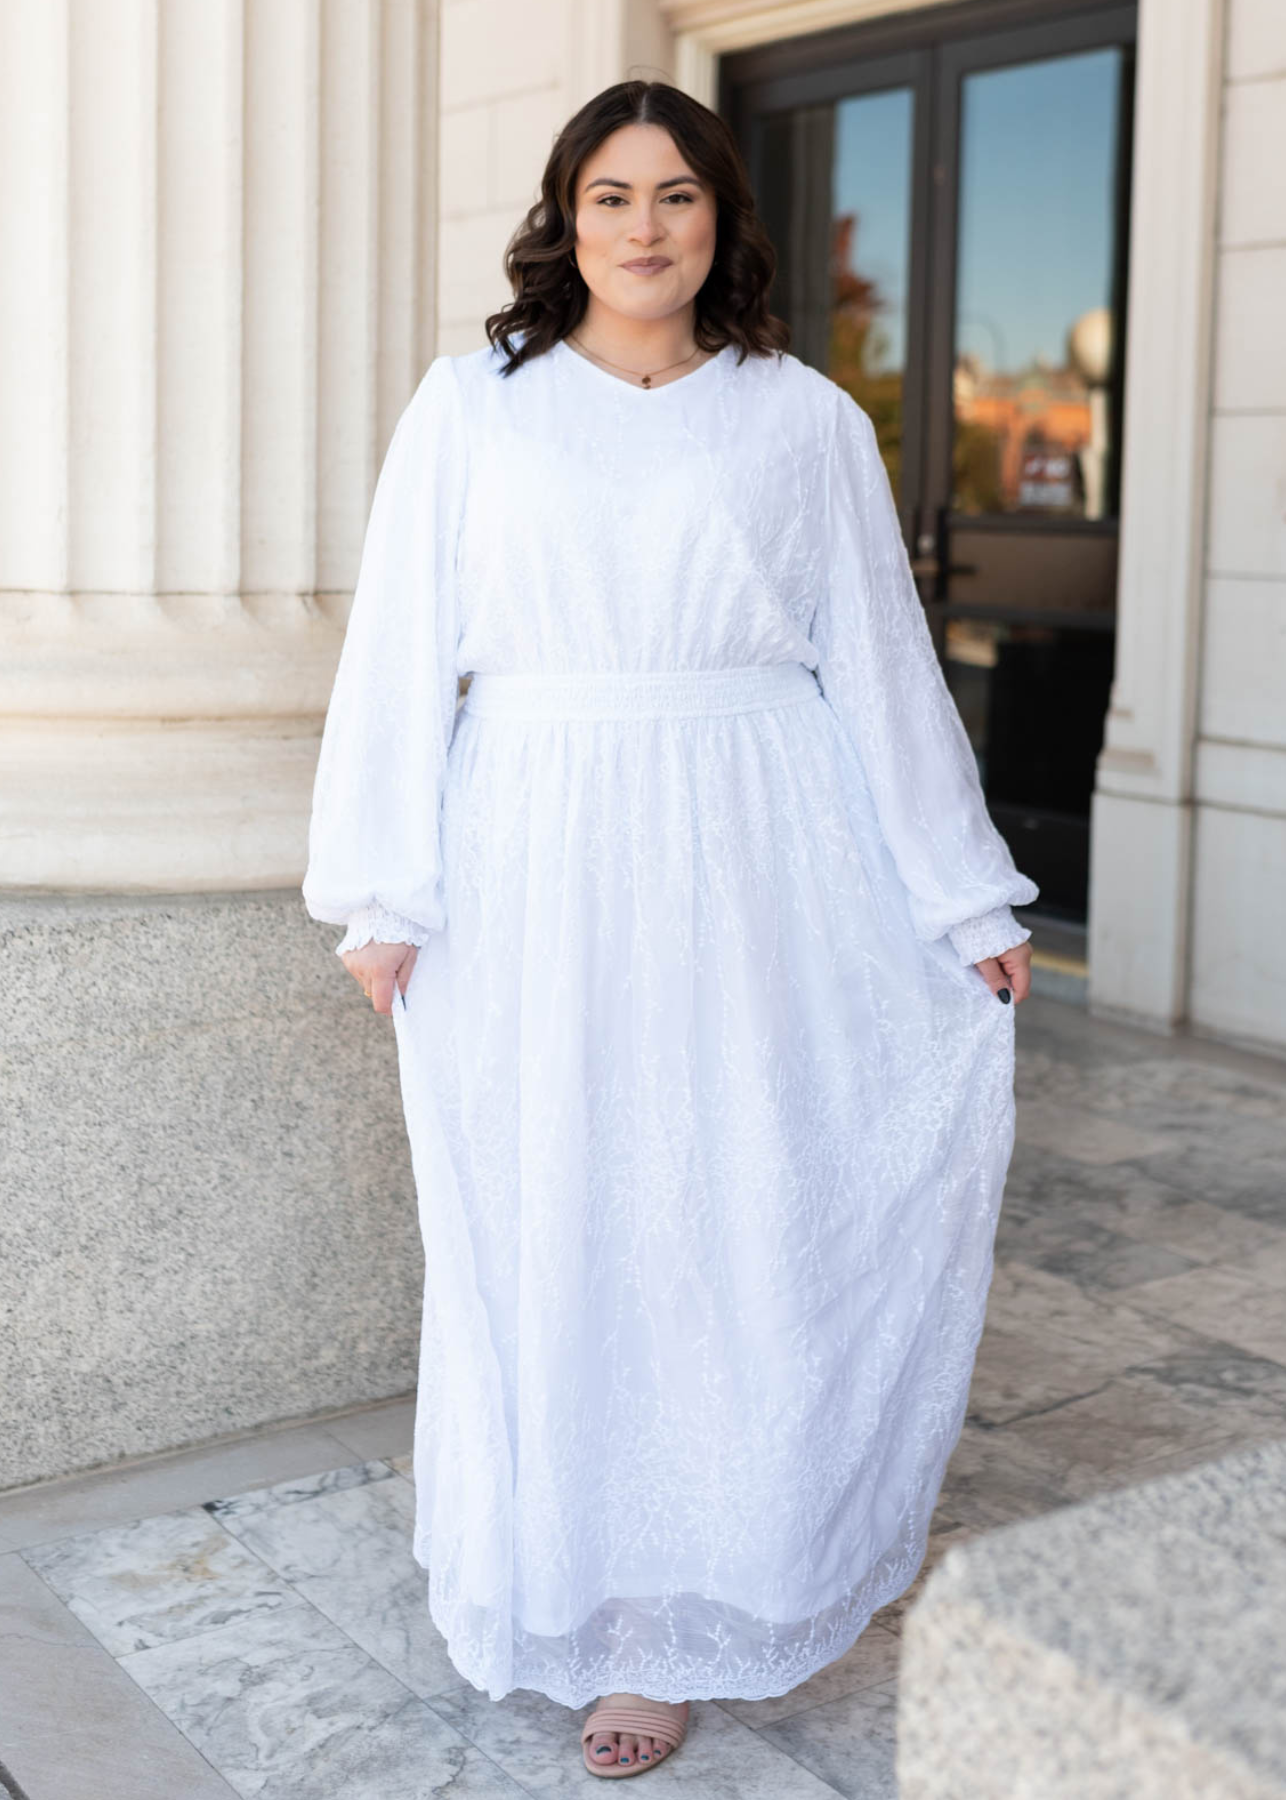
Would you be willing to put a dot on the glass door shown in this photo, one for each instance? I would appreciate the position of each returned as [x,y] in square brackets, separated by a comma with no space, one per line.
[949,210]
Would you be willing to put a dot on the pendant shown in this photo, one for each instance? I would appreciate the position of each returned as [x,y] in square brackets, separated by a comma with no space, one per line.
[647,381]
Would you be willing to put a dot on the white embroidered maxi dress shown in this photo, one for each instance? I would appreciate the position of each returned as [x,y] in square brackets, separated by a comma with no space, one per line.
[709,1111]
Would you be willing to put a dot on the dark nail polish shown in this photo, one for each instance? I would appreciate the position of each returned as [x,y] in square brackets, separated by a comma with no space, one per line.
[1003,994]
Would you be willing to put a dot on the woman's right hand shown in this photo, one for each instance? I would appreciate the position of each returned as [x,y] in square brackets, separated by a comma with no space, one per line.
[377,967]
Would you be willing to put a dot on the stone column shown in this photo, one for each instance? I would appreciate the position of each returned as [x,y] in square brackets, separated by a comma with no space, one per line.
[216,294]
[1141,825]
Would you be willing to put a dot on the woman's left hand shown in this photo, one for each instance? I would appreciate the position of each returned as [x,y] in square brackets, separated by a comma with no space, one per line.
[1010,971]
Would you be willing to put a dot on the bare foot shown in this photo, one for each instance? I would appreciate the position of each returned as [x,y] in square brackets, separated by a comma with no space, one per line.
[623,1747]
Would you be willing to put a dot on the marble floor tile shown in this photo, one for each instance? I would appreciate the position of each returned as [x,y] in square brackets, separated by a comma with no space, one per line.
[73,1726]
[1229,1303]
[1065,1242]
[53,1509]
[1085,1136]
[1175,1406]
[873,1659]
[538,1743]
[993,1479]
[1252,1186]
[1043,1186]
[1158,1214]
[1017,1375]
[851,1744]
[1040,1183]
[344,1543]
[238,1512]
[1096,1332]
[158,1580]
[1160,1093]
[287,1707]
[1265,1262]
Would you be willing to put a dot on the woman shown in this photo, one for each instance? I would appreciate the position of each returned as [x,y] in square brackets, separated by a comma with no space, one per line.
[697,939]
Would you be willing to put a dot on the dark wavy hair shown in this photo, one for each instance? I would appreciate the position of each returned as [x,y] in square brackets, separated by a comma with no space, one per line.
[550,295]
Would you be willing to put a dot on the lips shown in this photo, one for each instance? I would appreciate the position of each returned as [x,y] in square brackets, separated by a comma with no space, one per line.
[644,263]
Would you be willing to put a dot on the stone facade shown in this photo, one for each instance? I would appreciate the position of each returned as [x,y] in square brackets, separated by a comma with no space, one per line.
[232,236]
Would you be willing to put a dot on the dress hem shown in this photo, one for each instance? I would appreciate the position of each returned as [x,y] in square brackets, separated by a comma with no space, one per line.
[577,1697]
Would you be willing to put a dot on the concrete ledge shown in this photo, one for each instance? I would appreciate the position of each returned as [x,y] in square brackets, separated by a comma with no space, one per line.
[1126,1648]
[209,1219]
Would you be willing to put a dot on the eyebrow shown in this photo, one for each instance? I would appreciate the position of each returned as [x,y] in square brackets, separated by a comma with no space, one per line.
[607,181]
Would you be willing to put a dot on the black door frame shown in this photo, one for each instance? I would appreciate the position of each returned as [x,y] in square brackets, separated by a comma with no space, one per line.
[824,66]
[929,51]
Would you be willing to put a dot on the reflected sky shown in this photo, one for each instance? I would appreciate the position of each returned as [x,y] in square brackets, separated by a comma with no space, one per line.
[1038,150]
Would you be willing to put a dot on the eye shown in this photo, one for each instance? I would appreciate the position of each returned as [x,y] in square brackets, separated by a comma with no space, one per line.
[678,194]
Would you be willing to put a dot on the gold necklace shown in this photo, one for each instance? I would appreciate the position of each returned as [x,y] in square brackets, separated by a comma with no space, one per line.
[644,380]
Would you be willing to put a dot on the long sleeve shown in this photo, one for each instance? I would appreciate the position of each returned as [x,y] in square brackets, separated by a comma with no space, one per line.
[879,672]
[374,849]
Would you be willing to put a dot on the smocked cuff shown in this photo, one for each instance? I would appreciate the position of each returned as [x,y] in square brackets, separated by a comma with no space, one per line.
[987,935]
[377,925]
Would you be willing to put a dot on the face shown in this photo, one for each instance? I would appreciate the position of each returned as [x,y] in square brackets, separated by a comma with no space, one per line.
[645,224]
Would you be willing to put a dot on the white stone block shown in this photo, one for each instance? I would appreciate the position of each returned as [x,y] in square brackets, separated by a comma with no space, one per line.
[1247,508]
[1250,338]
[471,277]
[1127,1648]
[1238,947]
[495,48]
[1243,661]
[526,127]
[1138,868]
[466,160]
[1252,194]
[1256,39]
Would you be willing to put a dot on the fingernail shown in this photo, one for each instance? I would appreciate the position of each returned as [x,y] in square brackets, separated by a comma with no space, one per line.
[1003,995]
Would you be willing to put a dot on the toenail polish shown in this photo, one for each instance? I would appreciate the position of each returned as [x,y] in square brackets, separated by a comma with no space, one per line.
[625,1759]
[644,1757]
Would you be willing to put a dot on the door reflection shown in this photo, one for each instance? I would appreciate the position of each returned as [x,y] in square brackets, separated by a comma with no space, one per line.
[870,260]
[1032,369]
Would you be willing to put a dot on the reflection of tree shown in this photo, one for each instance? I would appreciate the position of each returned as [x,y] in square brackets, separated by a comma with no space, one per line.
[859,346]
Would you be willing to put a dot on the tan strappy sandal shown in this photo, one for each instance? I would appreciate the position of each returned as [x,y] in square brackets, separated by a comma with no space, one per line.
[640,1718]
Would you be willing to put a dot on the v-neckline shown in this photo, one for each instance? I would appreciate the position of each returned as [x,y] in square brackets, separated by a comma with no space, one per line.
[629,386]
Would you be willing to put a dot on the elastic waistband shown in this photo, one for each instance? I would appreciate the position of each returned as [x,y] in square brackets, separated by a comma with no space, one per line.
[605,694]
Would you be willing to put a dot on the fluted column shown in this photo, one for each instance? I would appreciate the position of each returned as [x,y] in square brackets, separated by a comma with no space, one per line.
[217,224]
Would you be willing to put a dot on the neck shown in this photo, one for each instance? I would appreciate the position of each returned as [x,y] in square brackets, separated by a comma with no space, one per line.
[641,344]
